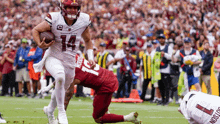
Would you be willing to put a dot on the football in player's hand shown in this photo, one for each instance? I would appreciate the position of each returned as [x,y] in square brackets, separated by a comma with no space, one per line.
[49,36]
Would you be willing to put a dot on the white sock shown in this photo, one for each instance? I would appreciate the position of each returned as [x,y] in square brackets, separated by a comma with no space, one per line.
[125,117]
[128,117]
[53,103]
[60,96]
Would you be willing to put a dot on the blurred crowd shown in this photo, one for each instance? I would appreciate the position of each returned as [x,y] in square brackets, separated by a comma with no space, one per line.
[114,21]
[117,22]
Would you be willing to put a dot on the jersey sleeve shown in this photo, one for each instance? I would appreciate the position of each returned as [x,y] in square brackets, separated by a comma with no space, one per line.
[51,18]
[48,18]
[86,19]
[110,58]
[88,22]
[79,74]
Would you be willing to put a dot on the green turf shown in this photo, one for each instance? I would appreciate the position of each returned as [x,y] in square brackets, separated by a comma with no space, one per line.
[30,111]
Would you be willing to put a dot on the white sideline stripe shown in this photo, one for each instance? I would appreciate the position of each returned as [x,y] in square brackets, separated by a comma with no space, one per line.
[19,108]
[68,109]
[85,116]
[163,117]
[44,117]
[32,117]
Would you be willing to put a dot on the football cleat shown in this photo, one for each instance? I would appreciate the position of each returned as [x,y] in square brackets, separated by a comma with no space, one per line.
[2,121]
[50,116]
[132,117]
[62,118]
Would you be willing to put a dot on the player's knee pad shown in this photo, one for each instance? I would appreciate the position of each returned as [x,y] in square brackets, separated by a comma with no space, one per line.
[60,78]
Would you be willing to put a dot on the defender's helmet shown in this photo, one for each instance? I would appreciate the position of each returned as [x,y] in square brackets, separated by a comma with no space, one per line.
[70,3]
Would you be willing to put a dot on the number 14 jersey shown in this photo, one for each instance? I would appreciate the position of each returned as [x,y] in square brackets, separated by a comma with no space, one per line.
[67,37]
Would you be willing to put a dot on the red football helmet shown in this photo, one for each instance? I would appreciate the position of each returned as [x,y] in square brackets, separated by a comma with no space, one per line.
[70,3]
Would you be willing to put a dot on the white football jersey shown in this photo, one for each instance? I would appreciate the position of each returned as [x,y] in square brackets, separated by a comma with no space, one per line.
[201,108]
[67,38]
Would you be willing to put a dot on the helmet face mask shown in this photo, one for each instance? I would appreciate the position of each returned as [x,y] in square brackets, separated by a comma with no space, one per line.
[70,8]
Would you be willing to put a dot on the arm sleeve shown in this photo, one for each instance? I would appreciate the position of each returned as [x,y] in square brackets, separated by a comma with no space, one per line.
[141,63]
[37,54]
[144,46]
[169,54]
[110,58]
[27,58]
[48,18]
[86,19]
[79,74]
[177,55]
[89,21]
[117,55]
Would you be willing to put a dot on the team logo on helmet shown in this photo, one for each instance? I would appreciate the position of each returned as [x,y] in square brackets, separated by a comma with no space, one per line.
[71,14]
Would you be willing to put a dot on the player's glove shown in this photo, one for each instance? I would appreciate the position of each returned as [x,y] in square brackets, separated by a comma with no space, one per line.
[188,62]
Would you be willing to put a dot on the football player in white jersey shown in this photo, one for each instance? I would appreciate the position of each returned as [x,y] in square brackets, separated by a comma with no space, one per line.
[200,108]
[68,26]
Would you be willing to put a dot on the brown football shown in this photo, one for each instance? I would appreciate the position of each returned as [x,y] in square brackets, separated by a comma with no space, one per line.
[49,36]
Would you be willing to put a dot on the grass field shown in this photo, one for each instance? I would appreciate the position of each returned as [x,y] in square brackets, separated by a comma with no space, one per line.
[30,111]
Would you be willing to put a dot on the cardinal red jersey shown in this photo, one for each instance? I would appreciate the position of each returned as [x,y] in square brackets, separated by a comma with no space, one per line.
[99,79]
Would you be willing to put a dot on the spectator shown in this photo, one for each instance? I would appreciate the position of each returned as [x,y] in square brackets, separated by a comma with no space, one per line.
[164,83]
[157,98]
[174,74]
[34,56]
[125,71]
[20,67]
[1,67]
[104,58]
[146,67]
[205,70]
[8,75]
[118,56]
[189,68]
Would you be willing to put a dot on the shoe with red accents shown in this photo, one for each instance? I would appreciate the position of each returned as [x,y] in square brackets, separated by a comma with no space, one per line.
[132,117]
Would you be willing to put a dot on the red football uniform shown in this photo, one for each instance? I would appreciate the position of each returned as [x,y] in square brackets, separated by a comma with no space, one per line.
[99,79]
[103,81]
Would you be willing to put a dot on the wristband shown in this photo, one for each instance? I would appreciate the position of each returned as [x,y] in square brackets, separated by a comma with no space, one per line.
[90,54]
